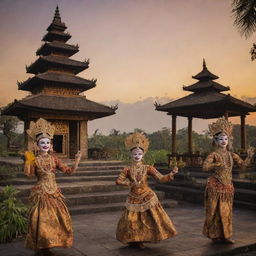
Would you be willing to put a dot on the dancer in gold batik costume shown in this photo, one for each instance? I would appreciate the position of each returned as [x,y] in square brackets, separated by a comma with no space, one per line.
[144,219]
[219,190]
[49,219]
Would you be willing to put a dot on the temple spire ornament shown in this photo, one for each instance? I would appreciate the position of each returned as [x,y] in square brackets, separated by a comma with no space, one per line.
[57,17]
[204,64]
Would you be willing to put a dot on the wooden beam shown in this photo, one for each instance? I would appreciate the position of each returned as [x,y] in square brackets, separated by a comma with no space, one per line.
[190,149]
[174,146]
[243,132]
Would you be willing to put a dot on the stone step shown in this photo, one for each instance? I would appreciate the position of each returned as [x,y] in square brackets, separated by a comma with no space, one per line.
[94,208]
[99,168]
[101,163]
[196,194]
[97,198]
[193,195]
[21,179]
[243,183]
[245,195]
[82,173]
[76,188]
[65,179]
[246,205]
[196,174]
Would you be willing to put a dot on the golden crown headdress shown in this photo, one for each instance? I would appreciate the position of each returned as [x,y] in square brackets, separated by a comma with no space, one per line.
[41,129]
[221,125]
[137,140]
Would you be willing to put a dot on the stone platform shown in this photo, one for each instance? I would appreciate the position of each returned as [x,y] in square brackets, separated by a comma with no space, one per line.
[95,236]
[90,189]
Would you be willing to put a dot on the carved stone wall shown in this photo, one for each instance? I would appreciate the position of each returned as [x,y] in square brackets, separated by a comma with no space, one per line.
[62,128]
[51,116]
[83,139]
[60,91]
[73,138]
[29,145]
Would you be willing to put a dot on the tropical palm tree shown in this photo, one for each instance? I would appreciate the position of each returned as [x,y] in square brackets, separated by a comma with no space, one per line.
[244,12]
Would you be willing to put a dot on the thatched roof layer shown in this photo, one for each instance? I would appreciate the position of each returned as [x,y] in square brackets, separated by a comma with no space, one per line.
[207,105]
[56,78]
[43,63]
[56,35]
[59,47]
[43,103]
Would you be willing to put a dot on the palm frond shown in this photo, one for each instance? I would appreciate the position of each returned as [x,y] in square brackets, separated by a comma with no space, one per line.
[244,12]
[253,52]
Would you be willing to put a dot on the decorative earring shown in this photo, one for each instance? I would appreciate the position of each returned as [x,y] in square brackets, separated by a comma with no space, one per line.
[36,149]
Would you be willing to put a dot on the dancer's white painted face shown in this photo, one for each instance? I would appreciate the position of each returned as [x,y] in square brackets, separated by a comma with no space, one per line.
[137,154]
[222,140]
[44,144]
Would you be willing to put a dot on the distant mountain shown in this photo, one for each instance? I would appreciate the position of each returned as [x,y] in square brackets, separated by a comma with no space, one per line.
[141,114]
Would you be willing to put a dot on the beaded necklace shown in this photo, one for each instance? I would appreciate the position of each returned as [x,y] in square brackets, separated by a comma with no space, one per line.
[137,173]
[45,165]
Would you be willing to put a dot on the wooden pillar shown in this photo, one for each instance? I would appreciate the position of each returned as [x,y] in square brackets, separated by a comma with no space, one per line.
[174,147]
[83,139]
[29,145]
[190,150]
[243,132]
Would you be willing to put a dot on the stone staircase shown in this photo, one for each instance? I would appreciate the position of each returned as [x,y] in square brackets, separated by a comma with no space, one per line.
[90,189]
[190,183]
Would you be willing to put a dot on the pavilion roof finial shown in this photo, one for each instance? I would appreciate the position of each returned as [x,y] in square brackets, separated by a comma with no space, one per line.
[204,64]
[56,17]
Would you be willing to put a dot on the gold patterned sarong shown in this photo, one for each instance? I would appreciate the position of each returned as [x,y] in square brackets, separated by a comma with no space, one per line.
[49,220]
[219,193]
[144,219]
[218,209]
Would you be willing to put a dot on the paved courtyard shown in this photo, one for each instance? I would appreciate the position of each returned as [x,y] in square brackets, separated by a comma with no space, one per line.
[95,236]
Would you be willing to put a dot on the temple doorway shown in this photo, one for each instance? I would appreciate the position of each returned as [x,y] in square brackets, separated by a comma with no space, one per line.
[58,144]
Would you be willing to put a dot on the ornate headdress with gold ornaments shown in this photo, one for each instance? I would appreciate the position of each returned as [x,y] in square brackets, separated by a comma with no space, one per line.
[137,140]
[221,126]
[41,129]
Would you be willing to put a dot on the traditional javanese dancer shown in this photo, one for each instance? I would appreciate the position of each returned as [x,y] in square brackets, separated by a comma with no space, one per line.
[144,219]
[219,190]
[49,219]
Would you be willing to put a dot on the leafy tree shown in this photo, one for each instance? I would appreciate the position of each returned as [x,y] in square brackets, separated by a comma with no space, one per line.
[244,12]
[114,132]
[251,136]
[8,125]
[160,139]
[160,142]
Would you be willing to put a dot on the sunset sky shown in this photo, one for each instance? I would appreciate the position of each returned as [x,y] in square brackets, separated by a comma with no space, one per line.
[137,48]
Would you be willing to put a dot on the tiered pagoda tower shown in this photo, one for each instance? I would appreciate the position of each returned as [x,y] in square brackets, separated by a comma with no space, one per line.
[56,92]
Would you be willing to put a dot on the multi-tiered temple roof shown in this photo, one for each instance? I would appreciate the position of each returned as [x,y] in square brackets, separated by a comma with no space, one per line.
[207,100]
[55,86]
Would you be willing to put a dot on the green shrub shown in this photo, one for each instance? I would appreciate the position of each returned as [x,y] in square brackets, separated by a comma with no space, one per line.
[3,153]
[13,215]
[16,154]
[160,156]
[7,171]
[149,158]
